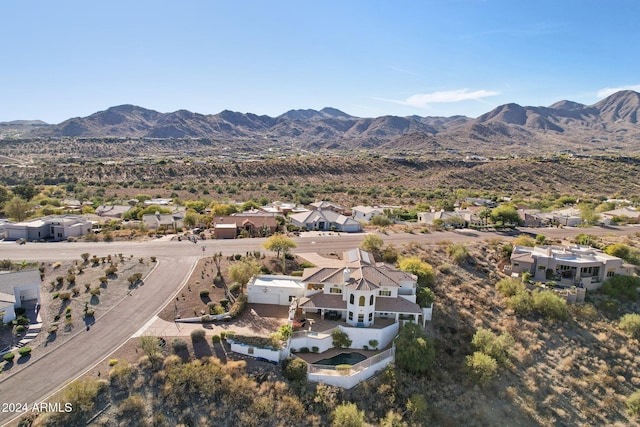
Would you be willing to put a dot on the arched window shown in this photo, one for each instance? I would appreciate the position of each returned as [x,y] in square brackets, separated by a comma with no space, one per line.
[361,301]
[371,300]
[351,299]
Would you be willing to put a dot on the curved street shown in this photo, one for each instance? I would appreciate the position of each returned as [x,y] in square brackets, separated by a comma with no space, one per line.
[48,372]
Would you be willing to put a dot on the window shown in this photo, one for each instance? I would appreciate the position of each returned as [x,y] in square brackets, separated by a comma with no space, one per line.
[361,301]
[384,293]
[250,351]
[541,267]
[291,297]
[360,318]
[351,315]
[610,273]
[352,299]
[335,290]
[370,317]
[371,300]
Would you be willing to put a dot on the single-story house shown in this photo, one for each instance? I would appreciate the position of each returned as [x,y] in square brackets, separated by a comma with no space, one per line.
[159,221]
[112,211]
[159,202]
[327,206]
[365,213]
[458,219]
[230,226]
[281,208]
[15,289]
[626,213]
[53,227]
[580,266]
[325,221]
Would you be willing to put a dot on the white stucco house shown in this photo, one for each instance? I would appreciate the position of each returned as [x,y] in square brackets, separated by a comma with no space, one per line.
[365,213]
[325,220]
[365,300]
[54,227]
[580,266]
[16,289]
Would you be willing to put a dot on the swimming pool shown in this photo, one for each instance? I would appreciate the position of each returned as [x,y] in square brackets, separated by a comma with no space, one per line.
[342,359]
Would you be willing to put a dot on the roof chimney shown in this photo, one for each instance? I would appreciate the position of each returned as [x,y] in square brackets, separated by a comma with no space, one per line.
[346,275]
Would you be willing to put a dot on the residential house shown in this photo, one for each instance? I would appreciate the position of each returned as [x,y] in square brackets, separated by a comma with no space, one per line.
[365,213]
[18,289]
[474,201]
[580,266]
[570,217]
[462,218]
[54,227]
[112,211]
[325,221]
[532,218]
[625,214]
[160,221]
[158,201]
[252,224]
[283,209]
[273,289]
[328,206]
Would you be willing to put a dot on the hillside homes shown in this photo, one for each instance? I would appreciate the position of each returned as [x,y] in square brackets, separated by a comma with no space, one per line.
[580,266]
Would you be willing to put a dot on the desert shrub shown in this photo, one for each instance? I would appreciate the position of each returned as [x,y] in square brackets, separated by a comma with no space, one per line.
[521,303]
[9,357]
[315,349]
[204,293]
[550,305]
[415,352]
[113,362]
[24,351]
[524,240]
[95,291]
[630,323]
[215,339]
[481,367]
[294,369]
[626,252]
[178,345]
[304,350]
[621,287]
[306,264]
[633,404]
[508,287]
[498,347]
[55,295]
[111,270]
[238,307]
[235,288]
[458,253]
[133,407]
[20,328]
[198,335]
[64,296]
[347,415]
[121,375]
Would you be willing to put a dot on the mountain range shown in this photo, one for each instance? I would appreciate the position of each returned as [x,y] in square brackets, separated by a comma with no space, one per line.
[610,125]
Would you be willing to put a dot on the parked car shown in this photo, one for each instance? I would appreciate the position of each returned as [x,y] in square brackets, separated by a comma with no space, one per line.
[299,323]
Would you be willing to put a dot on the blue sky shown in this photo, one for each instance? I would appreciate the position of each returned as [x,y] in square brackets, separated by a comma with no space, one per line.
[63,59]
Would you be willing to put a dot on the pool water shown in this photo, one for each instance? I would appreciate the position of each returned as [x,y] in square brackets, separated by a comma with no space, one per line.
[342,359]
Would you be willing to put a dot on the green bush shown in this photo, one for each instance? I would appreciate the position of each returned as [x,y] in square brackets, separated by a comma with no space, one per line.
[294,369]
[215,339]
[633,404]
[9,357]
[204,293]
[509,287]
[178,345]
[340,339]
[306,264]
[550,305]
[458,253]
[521,303]
[498,347]
[621,287]
[630,323]
[20,328]
[238,307]
[24,351]
[198,335]
[415,352]
[481,367]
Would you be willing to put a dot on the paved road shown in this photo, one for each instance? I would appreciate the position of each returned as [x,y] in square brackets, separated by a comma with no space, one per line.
[46,374]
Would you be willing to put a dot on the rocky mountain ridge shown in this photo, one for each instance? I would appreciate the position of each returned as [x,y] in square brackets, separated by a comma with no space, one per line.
[608,125]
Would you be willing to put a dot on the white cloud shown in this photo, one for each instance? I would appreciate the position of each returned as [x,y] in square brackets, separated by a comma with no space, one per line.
[603,93]
[423,99]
